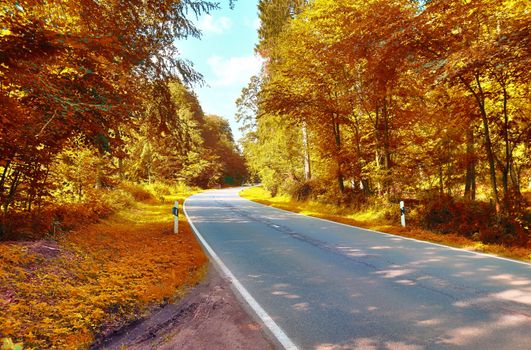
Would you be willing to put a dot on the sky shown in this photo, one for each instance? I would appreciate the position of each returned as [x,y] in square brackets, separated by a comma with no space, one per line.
[225,57]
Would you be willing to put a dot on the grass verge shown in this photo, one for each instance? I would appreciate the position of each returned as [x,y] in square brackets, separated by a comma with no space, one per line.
[372,219]
[63,292]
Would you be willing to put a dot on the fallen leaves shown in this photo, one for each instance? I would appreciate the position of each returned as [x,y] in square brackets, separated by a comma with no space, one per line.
[99,278]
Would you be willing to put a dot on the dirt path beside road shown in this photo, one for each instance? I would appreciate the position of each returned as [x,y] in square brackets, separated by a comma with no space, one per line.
[209,317]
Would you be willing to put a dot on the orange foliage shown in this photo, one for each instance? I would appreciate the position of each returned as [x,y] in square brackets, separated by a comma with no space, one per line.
[381,100]
[61,294]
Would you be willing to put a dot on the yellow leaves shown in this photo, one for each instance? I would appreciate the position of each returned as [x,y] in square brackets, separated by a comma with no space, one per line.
[97,314]
[47,320]
[68,70]
[5,32]
[104,273]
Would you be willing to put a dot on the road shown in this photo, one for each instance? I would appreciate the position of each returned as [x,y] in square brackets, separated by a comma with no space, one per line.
[332,286]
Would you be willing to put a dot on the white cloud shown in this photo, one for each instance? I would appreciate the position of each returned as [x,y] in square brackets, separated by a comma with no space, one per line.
[257,23]
[252,23]
[211,24]
[234,70]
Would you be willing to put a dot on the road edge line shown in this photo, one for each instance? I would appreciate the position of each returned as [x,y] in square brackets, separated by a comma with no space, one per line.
[393,235]
[277,332]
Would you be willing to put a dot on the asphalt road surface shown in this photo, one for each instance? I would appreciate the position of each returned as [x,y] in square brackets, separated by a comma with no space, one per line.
[332,286]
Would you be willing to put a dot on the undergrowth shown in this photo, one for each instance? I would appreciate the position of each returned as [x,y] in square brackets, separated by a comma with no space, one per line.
[62,292]
[384,218]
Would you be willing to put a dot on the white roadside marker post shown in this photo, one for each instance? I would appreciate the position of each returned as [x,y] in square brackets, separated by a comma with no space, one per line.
[175,211]
[402,214]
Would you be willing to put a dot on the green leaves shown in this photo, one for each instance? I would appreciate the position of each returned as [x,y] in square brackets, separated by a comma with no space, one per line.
[7,344]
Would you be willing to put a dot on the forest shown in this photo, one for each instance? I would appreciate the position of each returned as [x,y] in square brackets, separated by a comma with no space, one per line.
[359,105]
[366,103]
[94,95]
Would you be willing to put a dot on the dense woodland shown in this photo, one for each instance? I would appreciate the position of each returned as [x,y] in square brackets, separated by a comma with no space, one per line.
[377,101]
[93,94]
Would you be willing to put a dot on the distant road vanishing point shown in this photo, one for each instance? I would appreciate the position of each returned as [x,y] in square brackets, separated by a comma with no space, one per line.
[323,285]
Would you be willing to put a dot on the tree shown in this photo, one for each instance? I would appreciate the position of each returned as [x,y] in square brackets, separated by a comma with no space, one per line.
[87,70]
[218,140]
[483,52]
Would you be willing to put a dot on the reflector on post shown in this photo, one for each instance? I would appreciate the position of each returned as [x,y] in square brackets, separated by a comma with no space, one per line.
[402,214]
[175,212]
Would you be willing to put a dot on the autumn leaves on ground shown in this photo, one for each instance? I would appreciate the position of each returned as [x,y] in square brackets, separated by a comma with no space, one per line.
[62,291]
[360,104]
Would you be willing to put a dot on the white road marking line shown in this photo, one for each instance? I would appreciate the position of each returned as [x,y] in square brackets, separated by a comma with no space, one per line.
[283,339]
[391,235]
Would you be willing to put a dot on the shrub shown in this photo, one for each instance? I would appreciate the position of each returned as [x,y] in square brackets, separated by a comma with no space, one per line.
[23,225]
[161,189]
[74,215]
[139,193]
[472,219]
[54,219]
[317,190]
[326,192]
[507,230]
[117,199]
[445,214]
[300,191]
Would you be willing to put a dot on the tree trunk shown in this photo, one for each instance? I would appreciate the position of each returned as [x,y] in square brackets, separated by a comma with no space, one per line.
[470,184]
[364,183]
[378,150]
[121,168]
[337,137]
[387,153]
[441,180]
[306,150]
[99,173]
[515,178]
[386,149]
[507,163]
[12,191]
[365,187]
[4,175]
[490,158]
[480,99]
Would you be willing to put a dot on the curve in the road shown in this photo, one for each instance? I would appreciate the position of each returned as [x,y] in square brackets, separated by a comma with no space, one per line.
[327,285]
